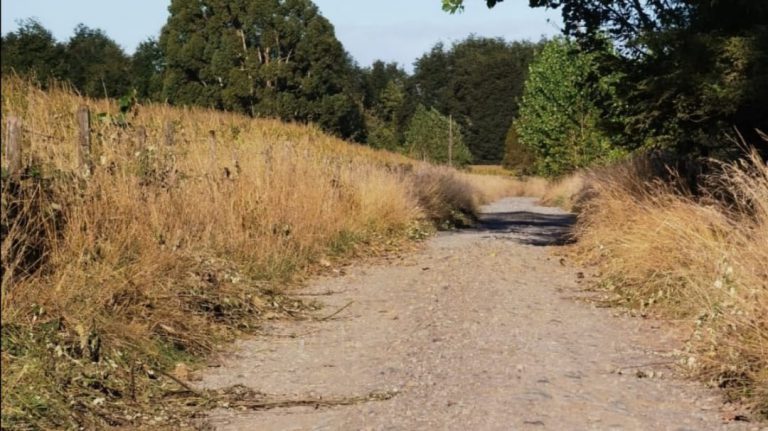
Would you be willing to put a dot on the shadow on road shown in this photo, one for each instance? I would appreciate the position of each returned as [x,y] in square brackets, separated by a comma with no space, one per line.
[529,227]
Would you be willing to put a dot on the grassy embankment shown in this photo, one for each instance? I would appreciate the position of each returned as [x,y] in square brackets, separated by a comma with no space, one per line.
[700,259]
[165,251]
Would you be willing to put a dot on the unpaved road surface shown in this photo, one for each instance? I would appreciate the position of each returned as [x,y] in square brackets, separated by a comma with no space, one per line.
[482,330]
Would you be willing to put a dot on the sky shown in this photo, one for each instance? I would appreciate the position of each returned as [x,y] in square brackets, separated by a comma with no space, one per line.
[390,30]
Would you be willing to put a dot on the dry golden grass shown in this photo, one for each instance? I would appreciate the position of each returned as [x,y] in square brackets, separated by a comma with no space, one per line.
[566,192]
[700,259]
[490,187]
[563,192]
[497,170]
[165,249]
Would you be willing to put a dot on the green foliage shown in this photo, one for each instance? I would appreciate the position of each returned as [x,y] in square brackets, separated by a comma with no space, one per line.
[517,157]
[388,97]
[559,118]
[92,62]
[261,57]
[479,82]
[691,95]
[32,50]
[690,70]
[382,135]
[96,65]
[126,106]
[428,137]
[147,67]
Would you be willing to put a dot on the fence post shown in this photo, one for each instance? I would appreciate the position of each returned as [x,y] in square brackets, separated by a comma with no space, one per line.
[141,133]
[168,133]
[236,160]
[13,147]
[212,145]
[450,140]
[84,144]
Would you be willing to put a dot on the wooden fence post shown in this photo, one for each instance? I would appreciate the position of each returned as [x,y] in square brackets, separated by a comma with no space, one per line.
[212,144]
[13,147]
[236,160]
[141,133]
[84,145]
[450,140]
[168,133]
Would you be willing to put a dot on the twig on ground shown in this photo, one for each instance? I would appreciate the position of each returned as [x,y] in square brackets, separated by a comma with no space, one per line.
[326,293]
[181,383]
[337,311]
[650,364]
[317,402]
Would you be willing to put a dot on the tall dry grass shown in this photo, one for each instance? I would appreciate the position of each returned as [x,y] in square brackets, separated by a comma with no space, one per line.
[492,170]
[165,250]
[699,258]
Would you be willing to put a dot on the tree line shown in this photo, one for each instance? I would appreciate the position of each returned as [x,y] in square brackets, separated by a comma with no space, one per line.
[627,75]
[282,59]
[686,77]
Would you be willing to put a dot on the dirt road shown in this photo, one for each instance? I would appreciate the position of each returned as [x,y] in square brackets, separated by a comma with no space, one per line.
[483,330]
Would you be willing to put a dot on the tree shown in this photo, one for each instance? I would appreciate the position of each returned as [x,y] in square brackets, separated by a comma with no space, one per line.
[388,98]
[376,79]
[385,121]
[96,65]
[32,50]
[382,135]
[691,69]
[479,82]
[147,66]
[434,137]
[262,57]
[433,78]
[517,157]
[559,117]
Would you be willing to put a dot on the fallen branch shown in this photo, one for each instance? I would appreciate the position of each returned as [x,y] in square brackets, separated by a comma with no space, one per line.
[336,312]
[181,383]
[316,402]
[326,293]
[650,364]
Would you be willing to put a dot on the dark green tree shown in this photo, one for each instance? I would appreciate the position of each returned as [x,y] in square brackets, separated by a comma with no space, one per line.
[383,124]
[32,50]
[376,78]
[479,82]
[389,100]
[147,66]
[275,58]
[691,69]
[96,65]
[433,78]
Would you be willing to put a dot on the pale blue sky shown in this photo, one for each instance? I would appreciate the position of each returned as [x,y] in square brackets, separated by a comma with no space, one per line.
[391,30]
